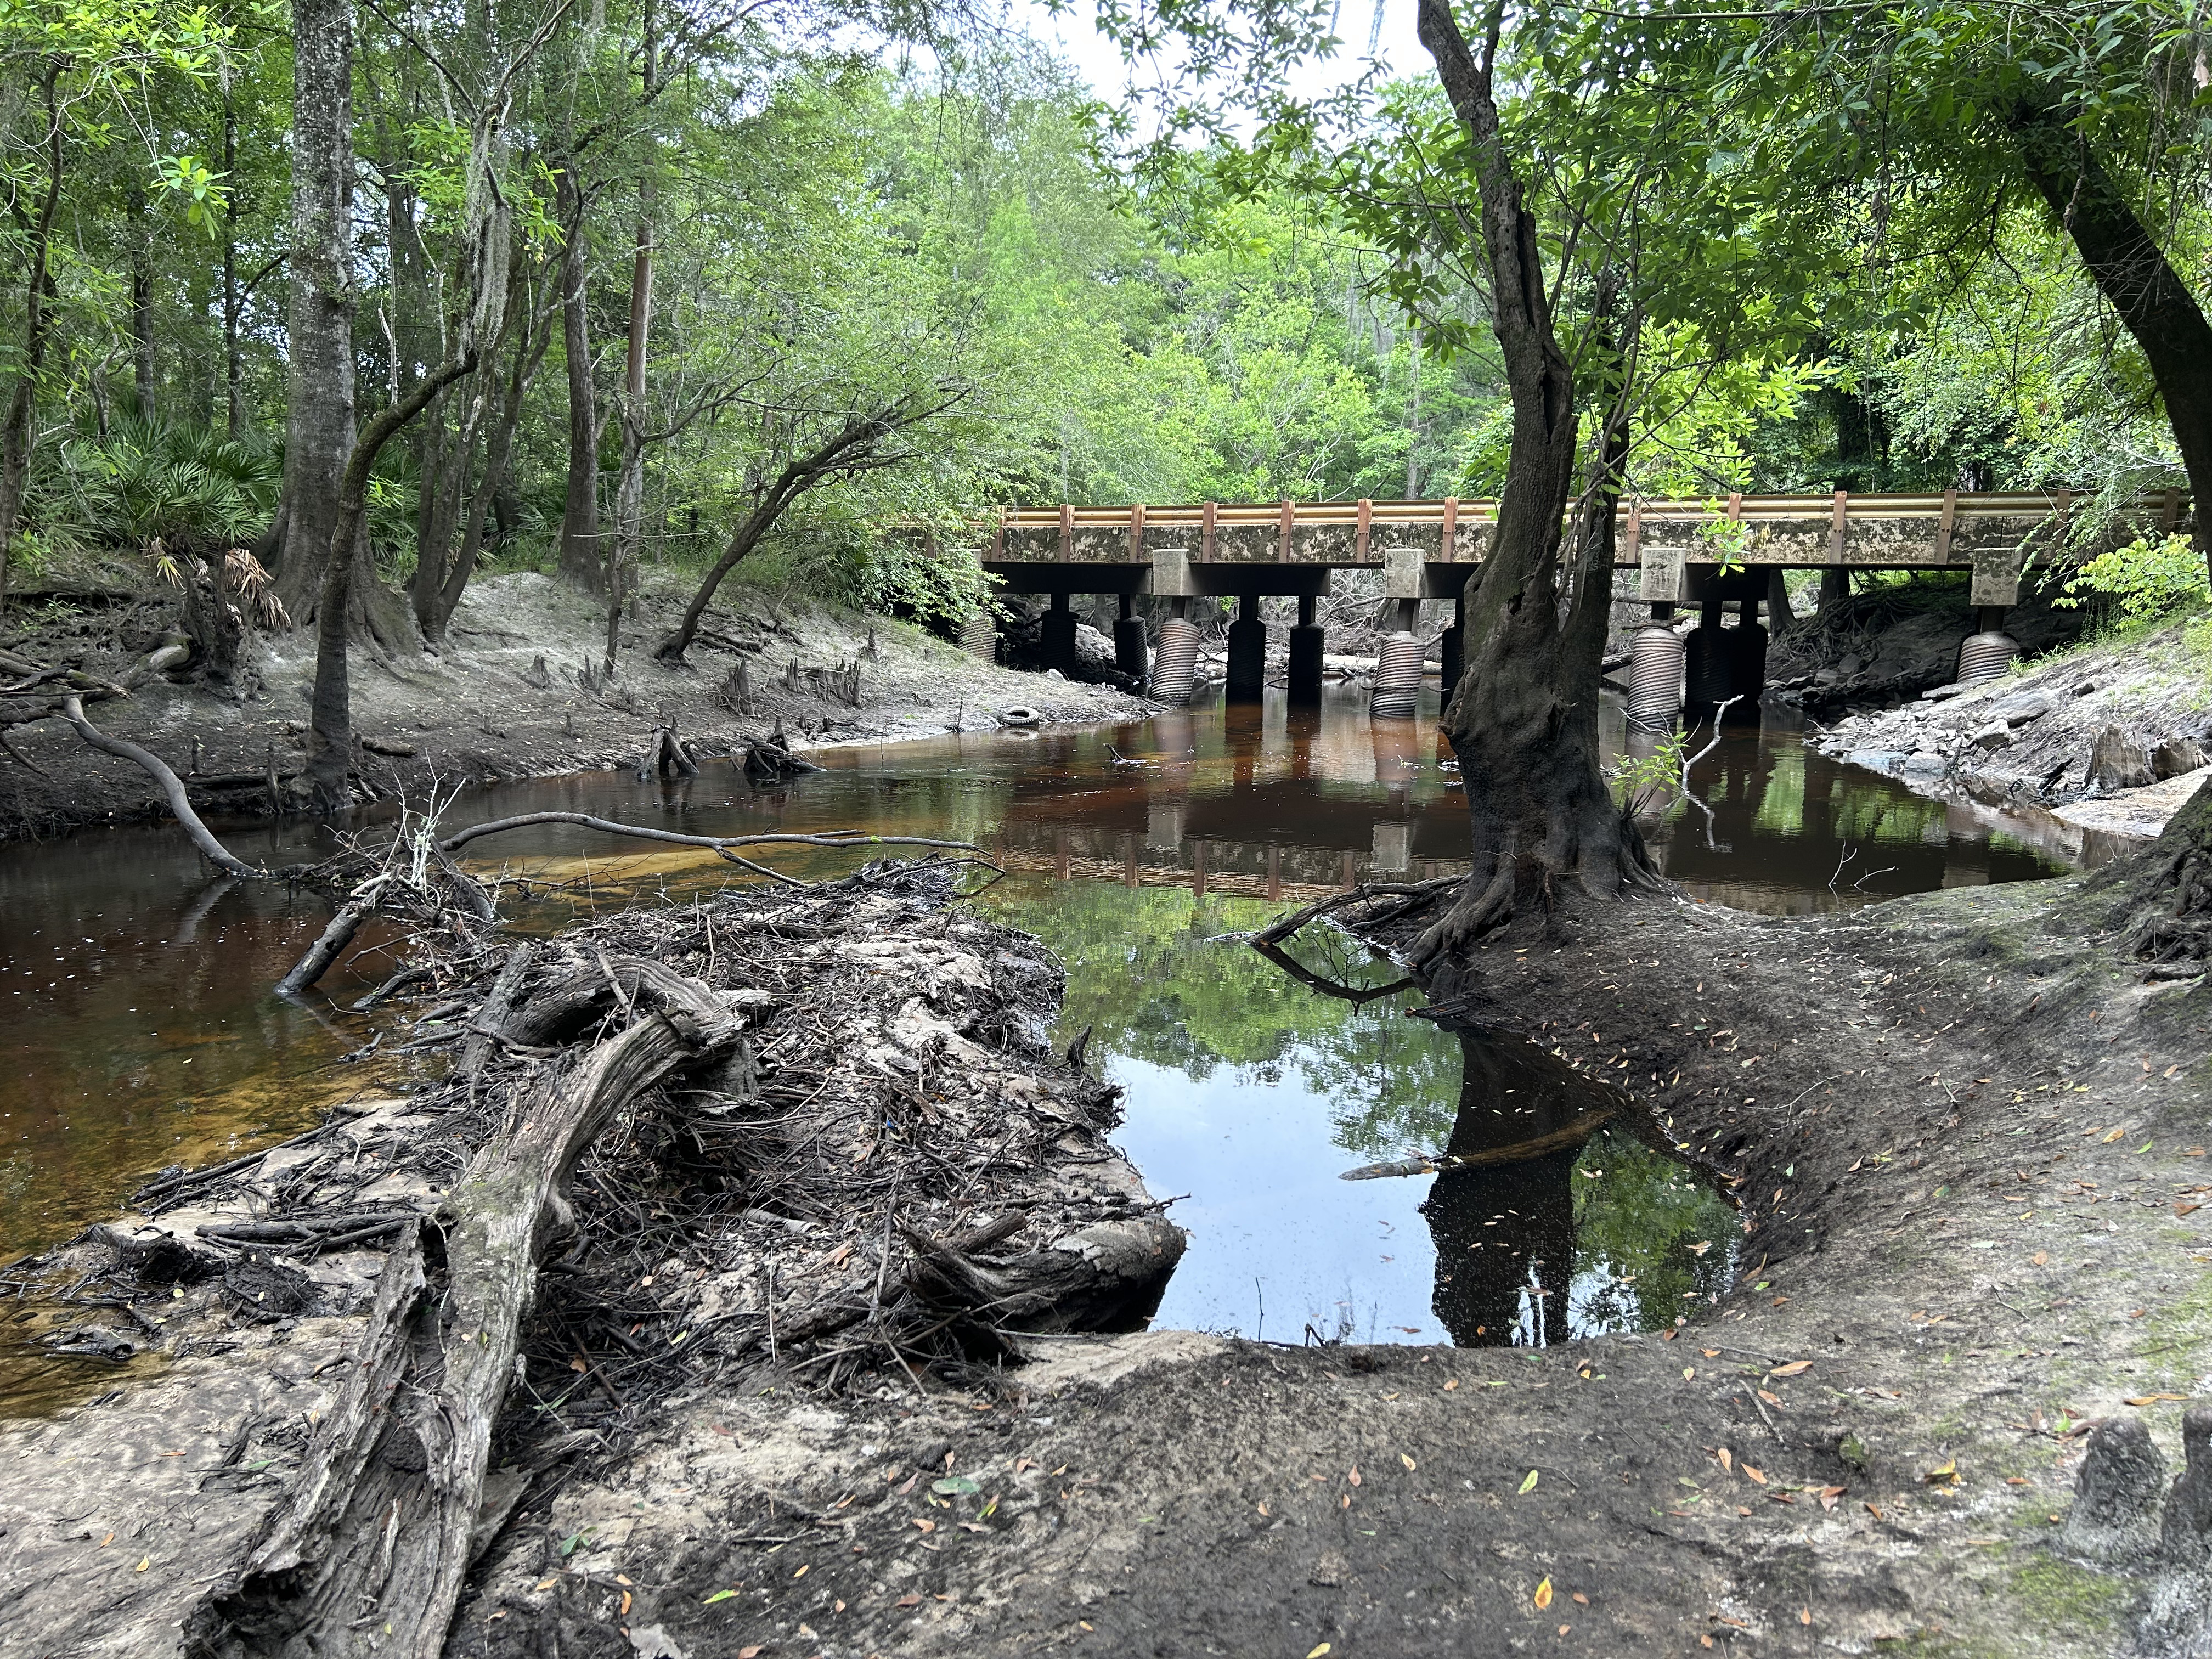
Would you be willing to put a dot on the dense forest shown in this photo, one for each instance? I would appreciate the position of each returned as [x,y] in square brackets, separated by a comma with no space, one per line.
[731,238]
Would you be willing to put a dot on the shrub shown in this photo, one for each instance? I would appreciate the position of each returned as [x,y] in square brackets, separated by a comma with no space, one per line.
[2144,581]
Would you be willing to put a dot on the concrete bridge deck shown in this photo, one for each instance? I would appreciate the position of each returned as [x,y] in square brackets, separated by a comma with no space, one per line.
[1428,549]
[1708,553]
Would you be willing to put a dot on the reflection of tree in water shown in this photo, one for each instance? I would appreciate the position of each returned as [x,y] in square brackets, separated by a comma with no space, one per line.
[1152,973]
[1556,1223]
[1505,1230]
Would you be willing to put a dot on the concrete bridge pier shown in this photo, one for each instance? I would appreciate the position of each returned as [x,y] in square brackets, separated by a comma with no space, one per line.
[1746,651]
[1307,639]
[1708,676]
[1058,638]
[1452,646]
[1130,655]
[1247,653]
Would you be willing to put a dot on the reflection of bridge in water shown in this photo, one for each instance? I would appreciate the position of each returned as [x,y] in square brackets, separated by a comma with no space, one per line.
[1275,802]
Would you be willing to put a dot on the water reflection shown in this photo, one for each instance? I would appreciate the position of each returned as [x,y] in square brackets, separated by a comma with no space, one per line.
[1249,1088]
[141,1032]
[1558,1212]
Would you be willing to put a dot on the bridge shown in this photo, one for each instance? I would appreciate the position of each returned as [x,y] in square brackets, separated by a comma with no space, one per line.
[1707,553]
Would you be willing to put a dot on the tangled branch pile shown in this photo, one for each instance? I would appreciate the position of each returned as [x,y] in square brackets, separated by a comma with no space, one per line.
[819,1130]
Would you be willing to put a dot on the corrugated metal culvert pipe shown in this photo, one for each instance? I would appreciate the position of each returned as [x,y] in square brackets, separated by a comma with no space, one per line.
[979,636]
[1985,655]
[1397,677]
[1655,676]
[1175,660]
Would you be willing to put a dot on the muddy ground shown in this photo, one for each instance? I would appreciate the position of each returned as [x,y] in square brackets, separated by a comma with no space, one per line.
[1969,1139]
[505,699]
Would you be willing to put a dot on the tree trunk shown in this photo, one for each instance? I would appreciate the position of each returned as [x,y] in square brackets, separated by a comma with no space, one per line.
[579,516]
[2131,272]
[16,433]
[318,422]
[1524,721]
[529,352]
[444,503]
[330,722]
[141,297]
[1778,610]
[856,447]
[367,1554]
[629,493]
[233,303]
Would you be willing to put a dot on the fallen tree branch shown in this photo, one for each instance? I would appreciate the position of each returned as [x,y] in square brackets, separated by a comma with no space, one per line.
[173,787]
[367,1552]
[334,939]
[461,838]
[1358,996]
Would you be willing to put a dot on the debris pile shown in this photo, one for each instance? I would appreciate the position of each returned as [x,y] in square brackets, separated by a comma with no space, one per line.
[819,1130]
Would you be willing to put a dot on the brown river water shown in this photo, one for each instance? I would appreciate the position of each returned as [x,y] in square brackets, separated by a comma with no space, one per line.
[140,1030]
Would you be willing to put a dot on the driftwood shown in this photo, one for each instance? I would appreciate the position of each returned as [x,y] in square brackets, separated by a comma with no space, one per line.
[172,787]
[668,755]
[1107,1277]
[334,939]
[367,1552]
[866,1197]
[719,844]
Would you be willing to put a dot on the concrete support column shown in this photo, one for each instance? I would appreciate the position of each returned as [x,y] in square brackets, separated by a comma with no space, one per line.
[1706,678]
[1306,642]
[1130,655]
[1248,653]
[1058,636]
[1746,664]
[1453,645]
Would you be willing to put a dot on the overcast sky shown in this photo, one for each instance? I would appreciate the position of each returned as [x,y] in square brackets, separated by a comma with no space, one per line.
[1074,36]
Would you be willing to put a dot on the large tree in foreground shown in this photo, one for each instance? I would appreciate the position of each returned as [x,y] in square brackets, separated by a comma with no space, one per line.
[1524,721]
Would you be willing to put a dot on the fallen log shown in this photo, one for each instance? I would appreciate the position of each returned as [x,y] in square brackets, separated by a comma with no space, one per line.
[1106,1277]
[367,1553]
[720,844]
[333,939]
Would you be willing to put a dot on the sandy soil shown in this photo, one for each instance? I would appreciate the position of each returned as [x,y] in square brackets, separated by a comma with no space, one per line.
[1969,1143]
[479,711]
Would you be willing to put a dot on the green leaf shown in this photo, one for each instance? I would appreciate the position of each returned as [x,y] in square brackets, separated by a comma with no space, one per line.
[955,1486]
[719,1596]
[1530,1485]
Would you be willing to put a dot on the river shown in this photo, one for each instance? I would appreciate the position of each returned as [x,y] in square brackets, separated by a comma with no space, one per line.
[142,1033]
